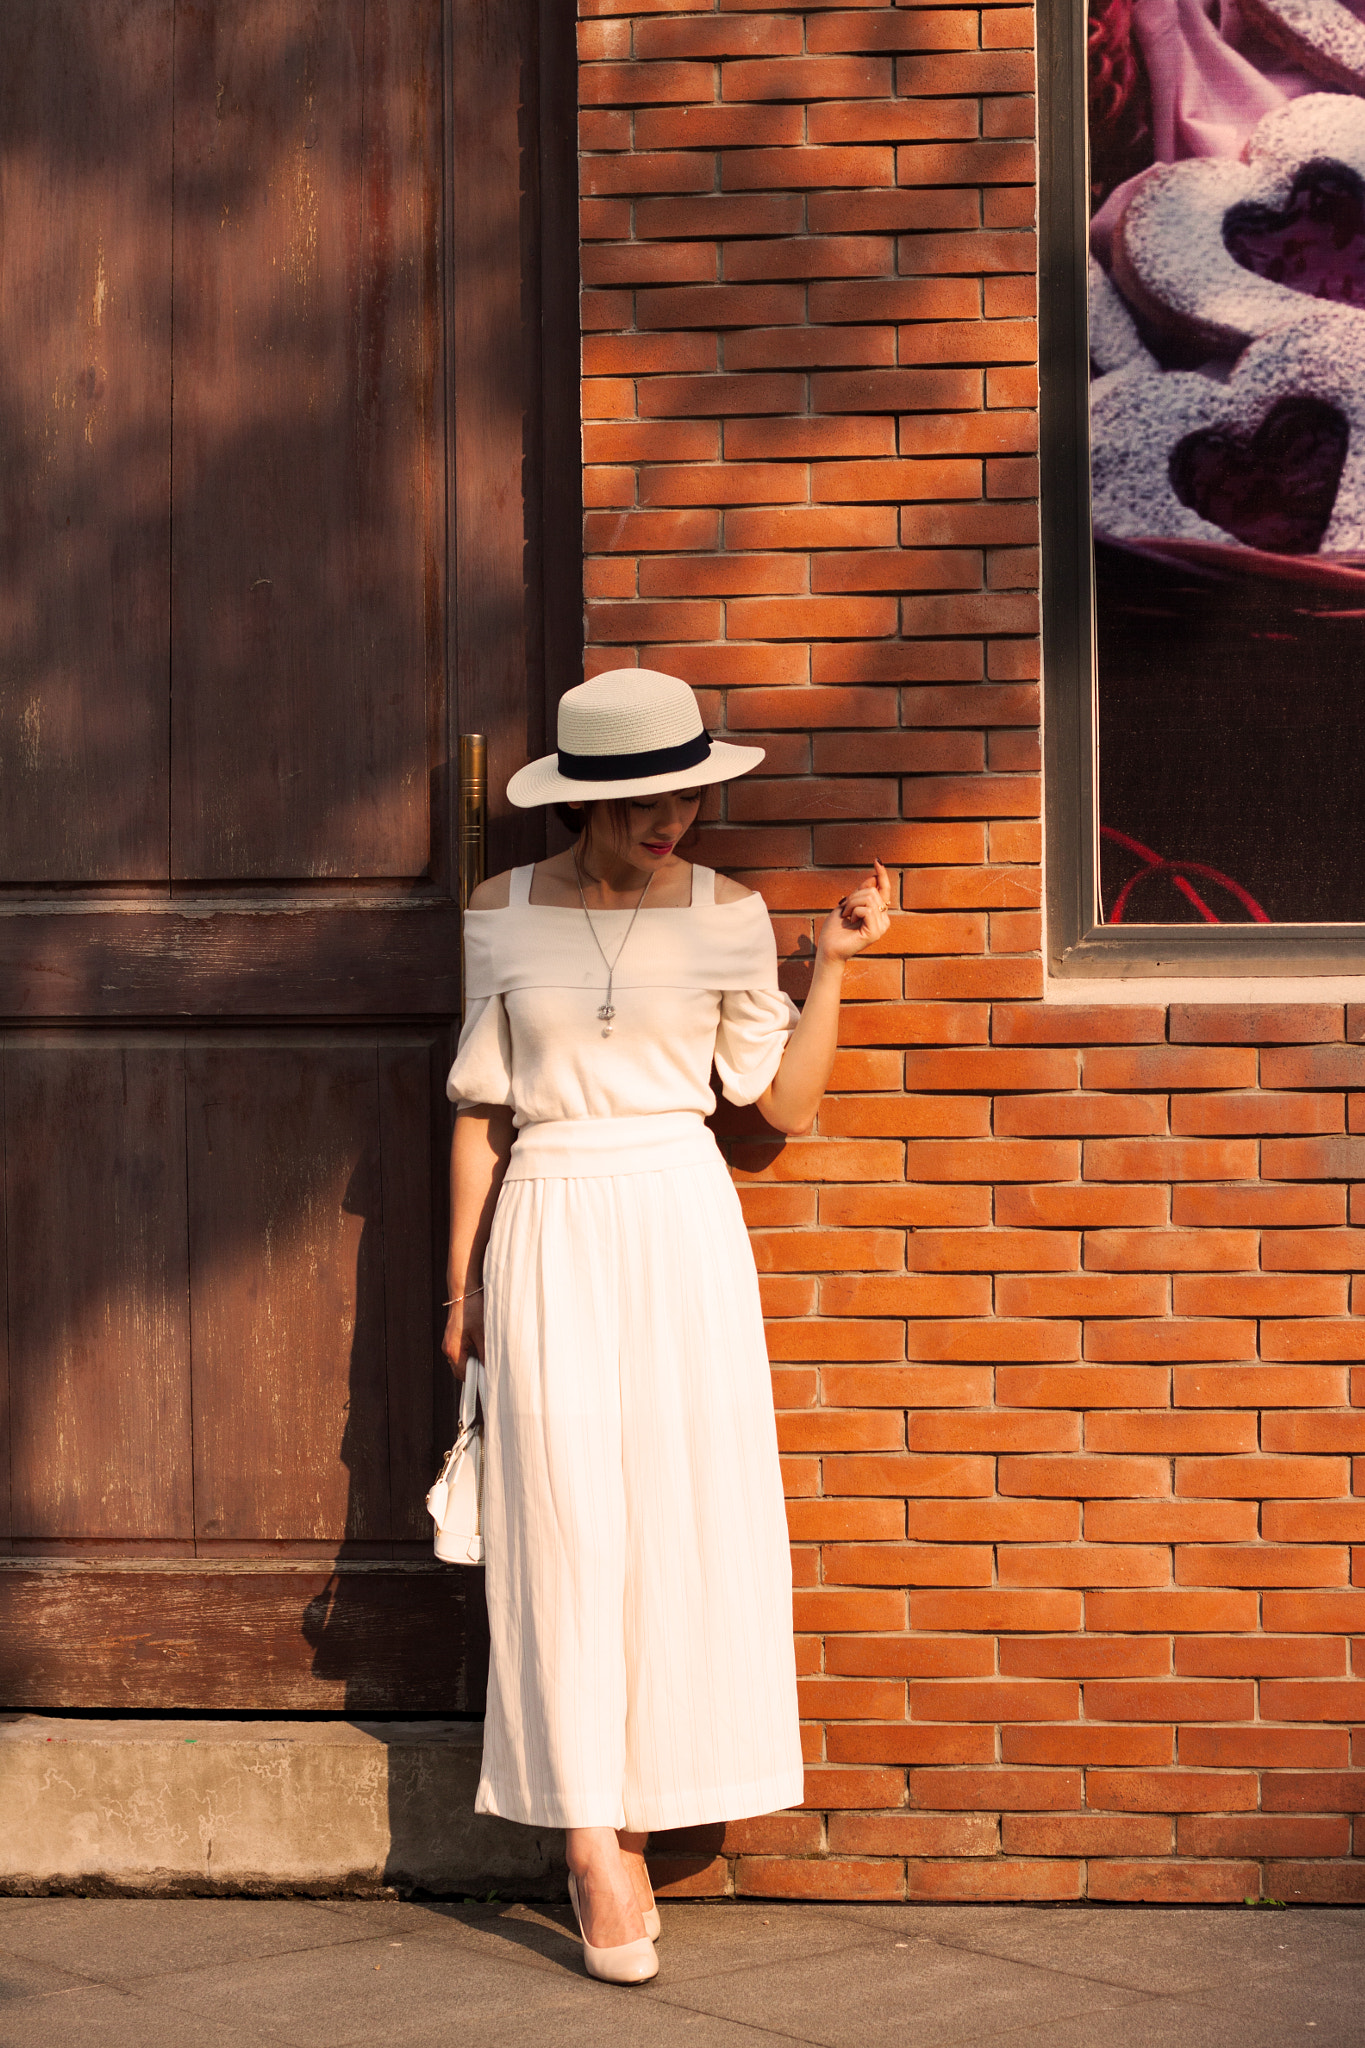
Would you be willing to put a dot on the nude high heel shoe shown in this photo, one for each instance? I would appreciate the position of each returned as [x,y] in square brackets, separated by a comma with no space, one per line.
[630,1962]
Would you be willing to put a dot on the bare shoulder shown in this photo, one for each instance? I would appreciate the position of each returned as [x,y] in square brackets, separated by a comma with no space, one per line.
[494,894]
[730,891]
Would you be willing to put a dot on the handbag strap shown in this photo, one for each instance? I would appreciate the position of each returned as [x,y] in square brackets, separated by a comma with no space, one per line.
[469,1393]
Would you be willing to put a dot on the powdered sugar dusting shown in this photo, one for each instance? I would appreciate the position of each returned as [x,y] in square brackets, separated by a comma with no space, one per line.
[1327,37]
[1139,419]
[1114,339]
[1170,257]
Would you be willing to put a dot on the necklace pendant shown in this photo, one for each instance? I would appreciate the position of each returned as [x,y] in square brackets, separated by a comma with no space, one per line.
[606,1031]
[606,1013]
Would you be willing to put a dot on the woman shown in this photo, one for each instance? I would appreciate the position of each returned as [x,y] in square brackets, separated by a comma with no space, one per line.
[638,1569]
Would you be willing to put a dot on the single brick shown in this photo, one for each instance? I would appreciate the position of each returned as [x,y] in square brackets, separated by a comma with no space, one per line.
[1172,1699]
[1313,1699]
[1171,1521]
[801,78]
[1315,1610]
[1270,1749]
[1086,1834]
[1259,1294]
[1083,1565]
[1258,1656]
[1089,1656]
[1148,1747]
[995,1430]
[725,35]
[1173,1338]
[1314,1792]
[1258,1386]
[1313,1066]
[1086,1207]
[896,1742]
[913,1834]
[1082,1386]
[1255,1023]
[1263,1834]
[1262,1478]
[995,1791]
[1084,1477]
[997,1610]
[1170,1251]
[997,1878]
[902,1564]
[1203,1205]
[993,1251]
[817,1877]
[1172,1884]
[993,1699]
[1182,1791]
[1344,1339]
[1258,1111]
[1082,1294]
[716,127]
[1339,1251]
[1170,1431]
[906,1656]
[1171,1159]
[993,1521]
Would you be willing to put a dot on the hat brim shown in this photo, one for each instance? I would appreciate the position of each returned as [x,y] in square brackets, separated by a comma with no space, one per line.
[540,782]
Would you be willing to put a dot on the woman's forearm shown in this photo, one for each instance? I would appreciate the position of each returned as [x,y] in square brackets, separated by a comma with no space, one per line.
[793,1096]
[479,1152]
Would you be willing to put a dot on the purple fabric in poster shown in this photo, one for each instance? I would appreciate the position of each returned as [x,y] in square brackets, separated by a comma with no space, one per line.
[1228,456]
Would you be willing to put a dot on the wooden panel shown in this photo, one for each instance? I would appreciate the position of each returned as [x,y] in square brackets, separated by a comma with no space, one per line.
[97,1270]
[370,1638]
[306,614]
[214,960]
[493,361]
[85,259]
[291,1426]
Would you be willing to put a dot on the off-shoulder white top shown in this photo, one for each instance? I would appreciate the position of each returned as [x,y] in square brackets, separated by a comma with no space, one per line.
[692,985]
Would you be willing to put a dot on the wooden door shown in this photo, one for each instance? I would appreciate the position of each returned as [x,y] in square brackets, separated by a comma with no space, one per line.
[271,391]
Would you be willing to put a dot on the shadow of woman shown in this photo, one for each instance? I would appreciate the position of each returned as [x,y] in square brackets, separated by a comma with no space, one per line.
[397,1632]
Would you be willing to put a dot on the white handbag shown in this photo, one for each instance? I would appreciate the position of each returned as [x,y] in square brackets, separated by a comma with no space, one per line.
[455,1502]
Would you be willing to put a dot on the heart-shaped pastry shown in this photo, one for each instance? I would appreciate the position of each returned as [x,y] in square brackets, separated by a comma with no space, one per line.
[1217,252]
[1326,38]
[1273,489]
[1274,458]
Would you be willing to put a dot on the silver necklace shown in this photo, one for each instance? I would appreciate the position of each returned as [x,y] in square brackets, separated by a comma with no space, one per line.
[606,1010]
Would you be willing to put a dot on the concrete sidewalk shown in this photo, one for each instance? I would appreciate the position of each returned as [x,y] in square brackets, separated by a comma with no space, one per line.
[239,1973]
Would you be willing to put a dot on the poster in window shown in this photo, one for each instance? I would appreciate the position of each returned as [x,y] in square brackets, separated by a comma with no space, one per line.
[1227,409]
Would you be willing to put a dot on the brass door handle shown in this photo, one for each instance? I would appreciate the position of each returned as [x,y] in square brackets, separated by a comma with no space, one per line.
[473,848]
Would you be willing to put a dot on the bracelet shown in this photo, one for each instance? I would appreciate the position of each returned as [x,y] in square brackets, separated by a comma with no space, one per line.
[468,1295]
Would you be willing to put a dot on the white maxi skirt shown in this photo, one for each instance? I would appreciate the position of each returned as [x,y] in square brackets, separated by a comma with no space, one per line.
[638,1572]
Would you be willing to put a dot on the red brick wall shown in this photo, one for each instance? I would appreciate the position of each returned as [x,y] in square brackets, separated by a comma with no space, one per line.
[1061,1298]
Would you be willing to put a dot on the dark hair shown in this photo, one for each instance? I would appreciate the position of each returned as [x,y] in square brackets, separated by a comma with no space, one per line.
[575,818]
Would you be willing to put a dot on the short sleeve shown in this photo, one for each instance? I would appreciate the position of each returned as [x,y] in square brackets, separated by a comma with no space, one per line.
[483,1059]
[755,1024]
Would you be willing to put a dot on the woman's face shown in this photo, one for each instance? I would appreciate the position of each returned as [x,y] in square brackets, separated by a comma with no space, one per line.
[653,825]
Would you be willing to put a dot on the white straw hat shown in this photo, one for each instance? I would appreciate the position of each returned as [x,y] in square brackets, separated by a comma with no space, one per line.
[628,732]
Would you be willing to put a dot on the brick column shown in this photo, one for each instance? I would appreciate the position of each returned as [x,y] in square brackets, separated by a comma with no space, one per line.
[1060,1300]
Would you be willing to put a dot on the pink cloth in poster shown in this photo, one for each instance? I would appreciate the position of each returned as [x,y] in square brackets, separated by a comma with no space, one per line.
[1207,95]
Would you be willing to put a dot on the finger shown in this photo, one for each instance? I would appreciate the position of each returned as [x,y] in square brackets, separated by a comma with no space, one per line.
[883,881]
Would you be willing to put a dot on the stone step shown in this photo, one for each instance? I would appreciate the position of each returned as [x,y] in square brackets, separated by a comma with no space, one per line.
[326,1808]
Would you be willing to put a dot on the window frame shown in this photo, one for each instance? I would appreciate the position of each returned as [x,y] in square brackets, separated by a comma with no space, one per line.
[1077,946]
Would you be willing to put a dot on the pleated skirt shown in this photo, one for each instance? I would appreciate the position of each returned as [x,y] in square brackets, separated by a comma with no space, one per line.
[637,1563]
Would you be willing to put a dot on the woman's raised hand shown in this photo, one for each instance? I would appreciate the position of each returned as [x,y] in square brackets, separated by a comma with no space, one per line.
[863,917]
[463,1339]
